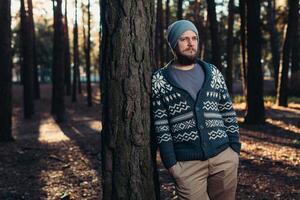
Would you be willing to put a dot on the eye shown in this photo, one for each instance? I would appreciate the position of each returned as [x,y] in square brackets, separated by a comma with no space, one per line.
[194,38]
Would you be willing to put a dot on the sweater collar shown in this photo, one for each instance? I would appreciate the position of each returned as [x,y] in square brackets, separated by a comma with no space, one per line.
[206,69]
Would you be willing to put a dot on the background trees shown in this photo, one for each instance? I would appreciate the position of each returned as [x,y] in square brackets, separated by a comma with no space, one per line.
[5,72]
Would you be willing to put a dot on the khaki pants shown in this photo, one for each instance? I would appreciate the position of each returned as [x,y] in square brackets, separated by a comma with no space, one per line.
[212,179]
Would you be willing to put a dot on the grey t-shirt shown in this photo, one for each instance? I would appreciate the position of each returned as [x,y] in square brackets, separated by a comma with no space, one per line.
[190,80]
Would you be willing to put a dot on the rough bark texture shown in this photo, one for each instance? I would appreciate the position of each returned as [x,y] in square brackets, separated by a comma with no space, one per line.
[67,53]
[36,83]
[255,105]
[229,57]
[282,91]
[275,47]
[58,104]
[214,32]
[159,35]
[127,62]
[243,68]
[27,63]
[75,57]
[5,72]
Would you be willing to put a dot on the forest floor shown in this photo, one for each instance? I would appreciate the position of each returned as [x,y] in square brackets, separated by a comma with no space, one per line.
[63,161]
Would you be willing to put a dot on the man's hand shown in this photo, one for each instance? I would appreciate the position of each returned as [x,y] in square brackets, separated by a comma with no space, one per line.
[172,169]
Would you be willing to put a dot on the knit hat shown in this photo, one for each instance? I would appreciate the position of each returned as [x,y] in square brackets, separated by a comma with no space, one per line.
[176,29]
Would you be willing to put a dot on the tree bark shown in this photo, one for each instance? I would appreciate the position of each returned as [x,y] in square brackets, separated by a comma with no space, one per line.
[67,53]
[243,68]
[295,45]
[127,52]
[199,23]
[168,56]
[159,35]
[214,32]
[229,57]
[58,104]
[274,39]
[36,83]
[179,9]
[282,91]
[88,58]
[75,57]
[27,63]
[255,113]
[5,72]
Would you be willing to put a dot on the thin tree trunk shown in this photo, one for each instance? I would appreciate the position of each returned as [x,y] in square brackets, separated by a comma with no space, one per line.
[229,57]
[274,40]
[199,22]
[214,32]
[58,104]
[126,67]
[295,45]
[67,53]
[168,56]
[36,83]
[282,91]
[255,113]
[5,72]
[243,68]
[27,63]
[88,58]
[179,9]
[159,35]
[75,57]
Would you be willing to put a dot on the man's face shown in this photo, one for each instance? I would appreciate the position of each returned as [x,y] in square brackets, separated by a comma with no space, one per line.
[187,48]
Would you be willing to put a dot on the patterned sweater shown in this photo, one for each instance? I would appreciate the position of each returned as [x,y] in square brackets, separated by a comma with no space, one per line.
[193,130]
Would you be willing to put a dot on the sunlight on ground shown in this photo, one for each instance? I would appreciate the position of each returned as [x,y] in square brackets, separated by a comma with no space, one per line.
[49,131]
[268,150]
[283,125]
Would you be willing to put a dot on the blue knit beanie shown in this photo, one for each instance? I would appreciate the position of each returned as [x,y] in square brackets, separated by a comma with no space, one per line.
[176,29]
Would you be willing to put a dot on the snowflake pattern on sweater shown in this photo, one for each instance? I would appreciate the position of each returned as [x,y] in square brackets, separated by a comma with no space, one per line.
[193,130]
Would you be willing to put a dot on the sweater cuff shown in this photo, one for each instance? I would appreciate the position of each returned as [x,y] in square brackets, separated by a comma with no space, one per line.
[236,147]
[168,160]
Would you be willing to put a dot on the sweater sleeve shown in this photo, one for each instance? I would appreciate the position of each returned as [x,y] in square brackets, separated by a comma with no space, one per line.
[161,126]
[229,118]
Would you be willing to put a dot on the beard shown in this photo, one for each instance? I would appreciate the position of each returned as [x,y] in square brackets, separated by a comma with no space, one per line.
[186,59]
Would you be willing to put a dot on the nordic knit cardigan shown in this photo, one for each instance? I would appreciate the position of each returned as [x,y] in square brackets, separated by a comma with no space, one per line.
[193,130]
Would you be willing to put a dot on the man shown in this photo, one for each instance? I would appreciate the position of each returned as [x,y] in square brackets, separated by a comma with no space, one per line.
[194,121]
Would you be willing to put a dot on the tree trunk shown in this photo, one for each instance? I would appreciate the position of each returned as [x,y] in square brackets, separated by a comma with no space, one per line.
[168,56]
[88,58]
[179,9]
[75,57]
[36,83]
[126,67]
[295,45]
[214,32]
[5,72]
[58,105]
[159,36]
[243,67]
[67,53]
[27,63]
[199,23]
[274,39]
[229,57]
[282,91]
[255,113]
